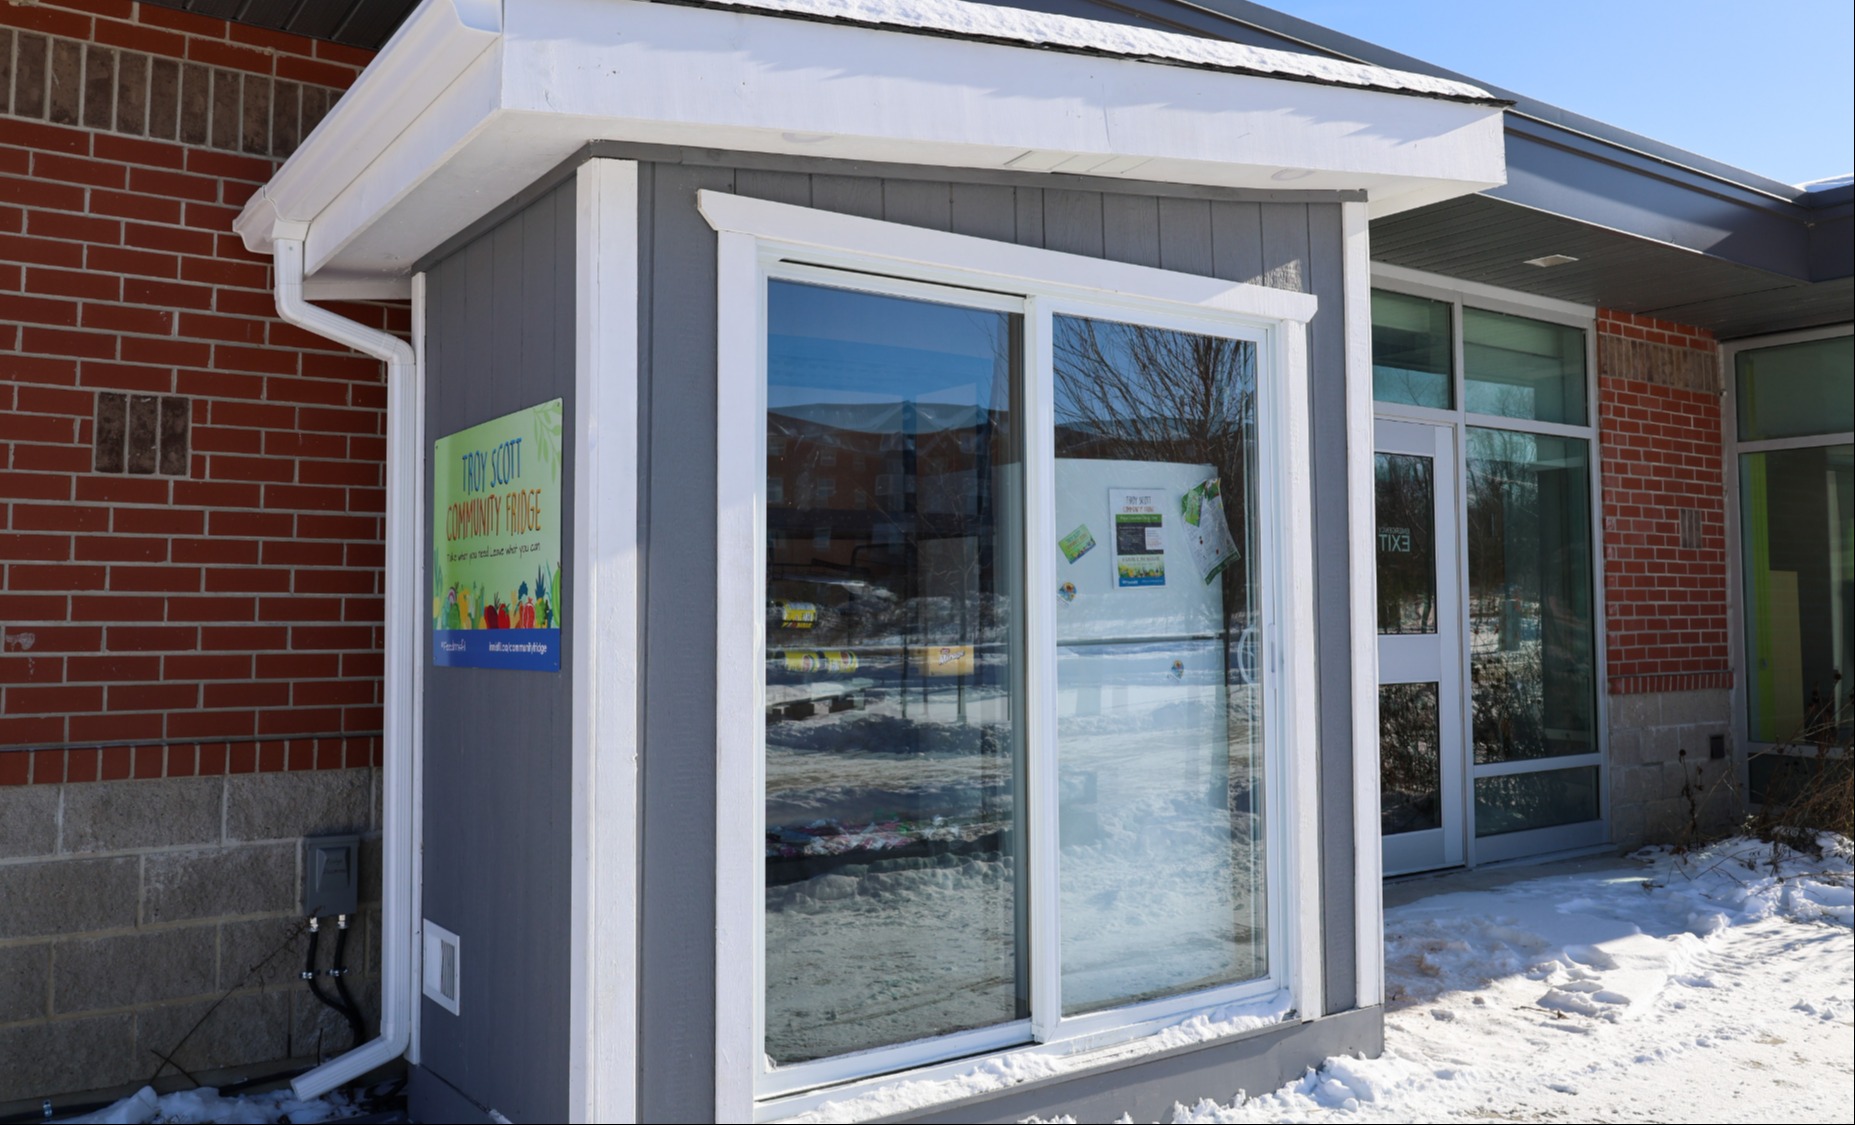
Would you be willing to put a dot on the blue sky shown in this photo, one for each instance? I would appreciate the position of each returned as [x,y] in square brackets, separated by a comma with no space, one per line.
[1767,87]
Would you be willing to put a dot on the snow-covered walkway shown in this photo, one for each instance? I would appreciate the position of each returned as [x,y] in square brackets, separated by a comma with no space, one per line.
[1713,987]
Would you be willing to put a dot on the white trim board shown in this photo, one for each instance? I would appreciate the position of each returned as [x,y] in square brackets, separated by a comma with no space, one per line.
[755,240]
[448,124]
[938,254]
[603,946]
[1361,524]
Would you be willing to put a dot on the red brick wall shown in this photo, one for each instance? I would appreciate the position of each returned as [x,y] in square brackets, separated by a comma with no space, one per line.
[1659,428]
[197,620]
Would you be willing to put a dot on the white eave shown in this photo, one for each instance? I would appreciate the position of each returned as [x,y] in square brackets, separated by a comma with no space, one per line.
[470,103]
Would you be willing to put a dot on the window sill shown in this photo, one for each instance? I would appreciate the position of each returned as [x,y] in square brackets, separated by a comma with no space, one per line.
[1016,1067]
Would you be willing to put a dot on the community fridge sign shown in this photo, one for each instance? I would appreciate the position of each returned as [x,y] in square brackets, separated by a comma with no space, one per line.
[496,581]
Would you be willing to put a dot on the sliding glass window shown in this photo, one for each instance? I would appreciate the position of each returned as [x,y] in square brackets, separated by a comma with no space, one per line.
[1159,702]
[895,904]
[951,865]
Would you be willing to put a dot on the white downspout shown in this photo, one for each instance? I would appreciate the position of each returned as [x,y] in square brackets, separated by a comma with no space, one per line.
[397,925]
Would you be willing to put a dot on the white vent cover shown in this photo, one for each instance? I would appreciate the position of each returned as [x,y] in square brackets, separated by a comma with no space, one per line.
[443,965]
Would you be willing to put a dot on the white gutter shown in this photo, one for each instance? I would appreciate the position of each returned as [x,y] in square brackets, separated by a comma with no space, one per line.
[435,44]
[397,925]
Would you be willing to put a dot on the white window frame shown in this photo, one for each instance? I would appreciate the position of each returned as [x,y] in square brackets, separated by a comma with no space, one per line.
[1459,294]
[1732,446]
[757,239]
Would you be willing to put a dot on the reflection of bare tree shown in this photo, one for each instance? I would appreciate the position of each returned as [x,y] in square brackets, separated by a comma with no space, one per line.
[1410,761]
[1531,646]
[1406,508]
[1136,393]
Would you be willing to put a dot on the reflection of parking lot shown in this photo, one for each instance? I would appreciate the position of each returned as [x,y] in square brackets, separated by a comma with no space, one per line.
[932,683]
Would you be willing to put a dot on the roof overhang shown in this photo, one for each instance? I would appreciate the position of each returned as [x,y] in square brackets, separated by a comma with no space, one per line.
[469,104]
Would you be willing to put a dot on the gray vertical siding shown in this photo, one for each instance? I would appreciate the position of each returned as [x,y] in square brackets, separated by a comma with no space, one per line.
[676,1056]
[498,769]
[1288,245]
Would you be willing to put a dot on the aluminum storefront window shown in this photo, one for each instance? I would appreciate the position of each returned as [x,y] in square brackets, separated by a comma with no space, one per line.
[1791,488]
[1528,739]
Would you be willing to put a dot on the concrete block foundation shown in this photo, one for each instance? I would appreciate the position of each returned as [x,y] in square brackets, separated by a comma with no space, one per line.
[129,908]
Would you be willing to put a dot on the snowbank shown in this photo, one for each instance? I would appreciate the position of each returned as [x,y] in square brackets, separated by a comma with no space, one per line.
[204,1105]
[1705,987]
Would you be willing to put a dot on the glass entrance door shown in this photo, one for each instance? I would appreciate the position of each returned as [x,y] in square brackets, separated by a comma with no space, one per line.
[1420,713]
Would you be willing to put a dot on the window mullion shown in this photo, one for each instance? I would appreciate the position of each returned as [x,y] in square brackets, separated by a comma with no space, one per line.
[1042,787]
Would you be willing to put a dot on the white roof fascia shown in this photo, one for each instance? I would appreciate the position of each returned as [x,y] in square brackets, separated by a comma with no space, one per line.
[431,47]
[439,133]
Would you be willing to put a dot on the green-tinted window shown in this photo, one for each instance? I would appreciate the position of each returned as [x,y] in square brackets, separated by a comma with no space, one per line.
[1798,520]
[1410,351]
[1521,368]
[1797,389]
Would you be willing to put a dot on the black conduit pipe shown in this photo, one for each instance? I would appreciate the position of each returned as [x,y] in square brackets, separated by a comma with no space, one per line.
[345,1008]
[339,970]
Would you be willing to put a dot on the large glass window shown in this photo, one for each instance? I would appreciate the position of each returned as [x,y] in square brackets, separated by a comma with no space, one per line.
[1518,367]
[1159,716]
[1795,412]
[895,904]
[1411,351]
[904,776]
[1532,657]
[1797,511]
[1796,390]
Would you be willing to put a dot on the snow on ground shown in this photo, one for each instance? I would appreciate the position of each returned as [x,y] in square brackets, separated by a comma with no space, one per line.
[1718,986]
[206,1105]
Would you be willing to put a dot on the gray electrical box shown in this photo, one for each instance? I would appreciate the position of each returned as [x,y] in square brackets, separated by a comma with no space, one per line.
[331,876]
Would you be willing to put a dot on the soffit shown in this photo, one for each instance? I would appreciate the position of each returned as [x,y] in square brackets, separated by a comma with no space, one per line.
[1488,240]
[356,23]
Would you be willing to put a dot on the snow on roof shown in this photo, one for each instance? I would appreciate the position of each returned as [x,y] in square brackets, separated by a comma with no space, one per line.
[966,20]
[1828,182]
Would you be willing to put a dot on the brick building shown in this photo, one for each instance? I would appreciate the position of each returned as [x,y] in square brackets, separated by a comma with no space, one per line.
[192,548]
[1620,378]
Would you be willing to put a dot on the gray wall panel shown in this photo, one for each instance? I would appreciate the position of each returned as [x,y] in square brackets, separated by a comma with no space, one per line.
[1284,246]
[780,187]
[1030,216]
[849,195]
[1130,229]
[1242,241]
[497,743]
[1333,605]
[985,211]
[1072,222]
[1236,241]
[676,1057]
[1185,236]
[919,203]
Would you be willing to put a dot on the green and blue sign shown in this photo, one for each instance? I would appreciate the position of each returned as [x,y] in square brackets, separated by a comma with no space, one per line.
[497,596]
